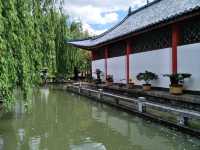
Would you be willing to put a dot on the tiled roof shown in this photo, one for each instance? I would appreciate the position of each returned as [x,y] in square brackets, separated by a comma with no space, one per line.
[150,14]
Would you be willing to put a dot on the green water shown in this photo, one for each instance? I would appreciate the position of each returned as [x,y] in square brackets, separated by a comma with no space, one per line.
[64,121]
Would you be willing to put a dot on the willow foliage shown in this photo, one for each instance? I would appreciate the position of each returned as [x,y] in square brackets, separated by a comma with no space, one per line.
[32,36]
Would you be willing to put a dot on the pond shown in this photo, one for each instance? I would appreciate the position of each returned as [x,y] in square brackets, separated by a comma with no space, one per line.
[64,121]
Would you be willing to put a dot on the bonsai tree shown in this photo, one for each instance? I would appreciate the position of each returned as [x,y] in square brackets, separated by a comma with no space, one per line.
[178,78]
[98,73]
[109,78]
[147,77]
[177,81]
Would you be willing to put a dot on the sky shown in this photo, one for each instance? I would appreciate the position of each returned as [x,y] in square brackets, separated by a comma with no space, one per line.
[97,16]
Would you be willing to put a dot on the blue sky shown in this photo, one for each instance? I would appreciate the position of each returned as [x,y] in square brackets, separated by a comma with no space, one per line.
[121,14]
[97,16]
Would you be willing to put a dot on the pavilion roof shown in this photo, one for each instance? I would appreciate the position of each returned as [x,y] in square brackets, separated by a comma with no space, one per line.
[156,12]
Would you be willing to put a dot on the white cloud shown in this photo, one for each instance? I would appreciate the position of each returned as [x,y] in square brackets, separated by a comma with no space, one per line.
[91,31]
[99,12]
[91,14]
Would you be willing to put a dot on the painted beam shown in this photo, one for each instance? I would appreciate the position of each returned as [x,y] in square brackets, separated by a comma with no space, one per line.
[175,43]
[128,51]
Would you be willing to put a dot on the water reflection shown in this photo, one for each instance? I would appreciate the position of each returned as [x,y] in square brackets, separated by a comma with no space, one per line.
[19,109]
[88,146]
[61,120]
[1,143]
[21,134]
[44,93]
[34,143]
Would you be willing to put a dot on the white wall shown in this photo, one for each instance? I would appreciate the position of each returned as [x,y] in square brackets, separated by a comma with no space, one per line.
[98,64]
[116,67]
[157,61]
[189,62]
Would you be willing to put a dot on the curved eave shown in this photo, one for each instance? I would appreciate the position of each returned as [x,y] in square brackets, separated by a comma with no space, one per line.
[76,44]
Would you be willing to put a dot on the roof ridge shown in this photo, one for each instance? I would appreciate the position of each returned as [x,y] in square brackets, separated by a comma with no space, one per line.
[102,34]
[145,6]
[127,16]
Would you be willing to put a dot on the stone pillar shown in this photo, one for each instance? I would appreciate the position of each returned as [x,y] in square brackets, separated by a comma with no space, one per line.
[141,105]
[100,93]
[182,120]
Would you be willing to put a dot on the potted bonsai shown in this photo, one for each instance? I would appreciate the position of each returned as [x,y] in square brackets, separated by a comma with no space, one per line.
[131,83]
[109,80]
[147,77]
[98,73]
[176,82]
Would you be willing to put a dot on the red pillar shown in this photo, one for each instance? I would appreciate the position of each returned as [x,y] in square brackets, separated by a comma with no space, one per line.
[128,51]
[175,43]
[106,61]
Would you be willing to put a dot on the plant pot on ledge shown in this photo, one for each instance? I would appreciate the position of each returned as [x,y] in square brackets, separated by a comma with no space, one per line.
[109,83]
[146,87]
[130,84]
[176,89]
[109,80]
[147,77]
[177,81]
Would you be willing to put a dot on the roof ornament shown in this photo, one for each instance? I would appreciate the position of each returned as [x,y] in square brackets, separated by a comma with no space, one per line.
[147,1]
[129,11]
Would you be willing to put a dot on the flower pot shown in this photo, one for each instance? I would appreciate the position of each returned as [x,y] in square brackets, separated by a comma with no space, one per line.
[130,85]
[109,83]
[176,89]
[146,87]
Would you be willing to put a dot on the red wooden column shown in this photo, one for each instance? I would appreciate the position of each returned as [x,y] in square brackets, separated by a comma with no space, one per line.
[128,51]
[106,61]
[175,43]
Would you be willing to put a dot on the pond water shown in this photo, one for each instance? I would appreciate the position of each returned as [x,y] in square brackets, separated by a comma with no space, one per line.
[64,121]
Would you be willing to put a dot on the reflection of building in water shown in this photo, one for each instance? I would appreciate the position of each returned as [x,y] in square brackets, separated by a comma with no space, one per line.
[21,133]
[88,146]
[19,109]
[44,94]
[137,130]
[34,143]
[114,122]
[1,143]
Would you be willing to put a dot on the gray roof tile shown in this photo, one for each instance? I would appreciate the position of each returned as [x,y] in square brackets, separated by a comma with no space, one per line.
[158,11]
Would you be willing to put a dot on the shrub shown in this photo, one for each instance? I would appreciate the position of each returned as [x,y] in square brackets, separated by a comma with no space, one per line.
[178,78]
[109,78]
[147,77]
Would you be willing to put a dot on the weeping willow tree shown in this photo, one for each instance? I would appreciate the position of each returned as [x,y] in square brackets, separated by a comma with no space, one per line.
[32,36]
[8,71]
[69,57]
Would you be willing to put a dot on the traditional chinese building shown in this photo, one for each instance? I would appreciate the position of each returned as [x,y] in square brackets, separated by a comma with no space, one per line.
[162,37]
